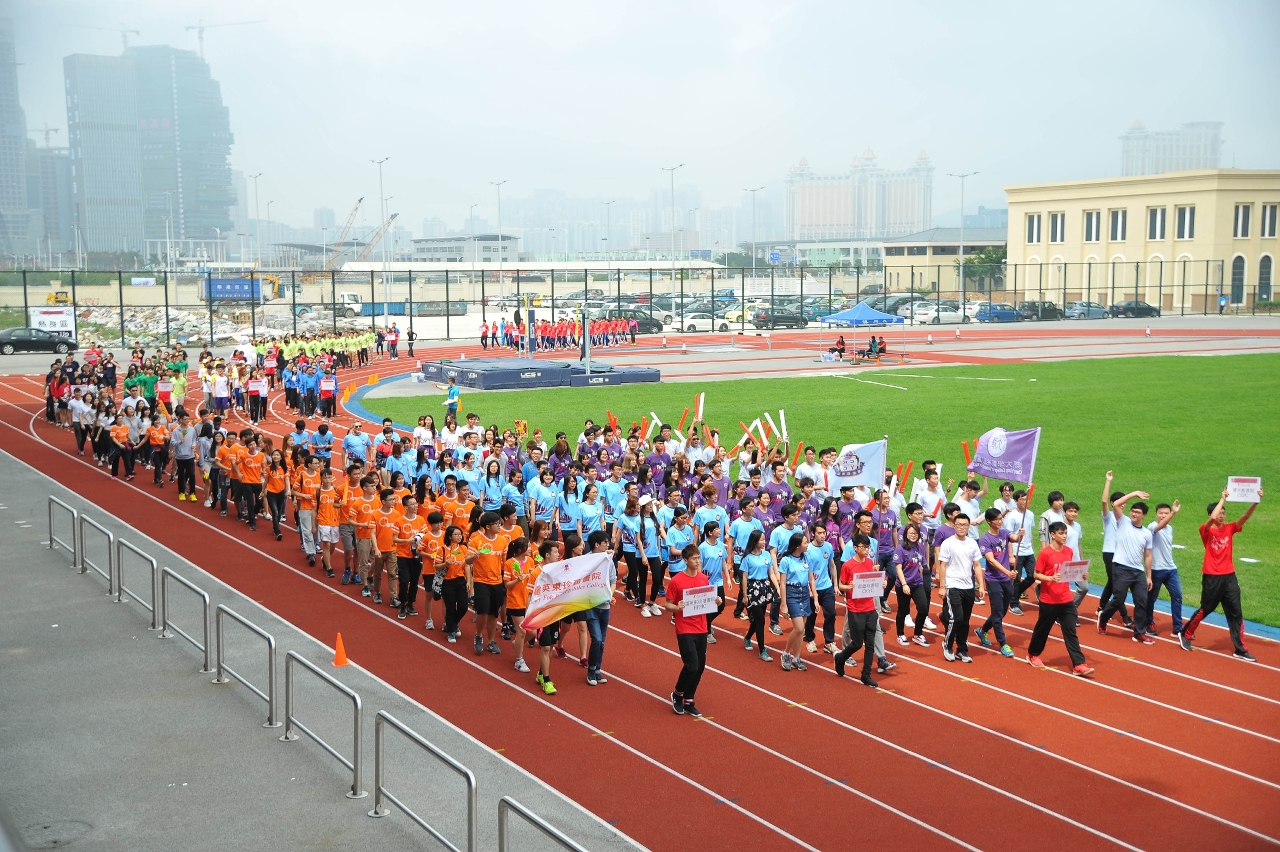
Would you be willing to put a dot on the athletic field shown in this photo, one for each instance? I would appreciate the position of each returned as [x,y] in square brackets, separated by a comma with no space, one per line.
[1174,426]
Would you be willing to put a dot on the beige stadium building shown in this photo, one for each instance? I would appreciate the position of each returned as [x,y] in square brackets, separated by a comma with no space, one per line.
[1178,240]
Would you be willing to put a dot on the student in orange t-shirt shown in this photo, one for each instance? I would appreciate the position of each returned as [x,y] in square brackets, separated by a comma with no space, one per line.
[432,553]
[488,549]
[158,438]
[249,469]
[456,587]
[346,526]
[362,507]
[121,449]
[278,489]
[328,507]
[226,453]
[518,574]
[385,522]
[305,486]
[409,555]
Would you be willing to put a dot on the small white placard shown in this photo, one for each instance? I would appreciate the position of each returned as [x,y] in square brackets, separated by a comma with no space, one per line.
[1244,489]
[869,585]
[1074,572]
[700,601]
[328,384]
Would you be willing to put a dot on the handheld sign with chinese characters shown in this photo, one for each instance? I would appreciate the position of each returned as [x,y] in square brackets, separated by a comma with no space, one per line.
[1074,572]
[700,601]
[1244,489]
[869,585]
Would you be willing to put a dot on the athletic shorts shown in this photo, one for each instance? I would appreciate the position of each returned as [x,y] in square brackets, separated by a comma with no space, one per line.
[549,635]
[347,534]
[516,615]
[581,615]
[489,598]
[328,535]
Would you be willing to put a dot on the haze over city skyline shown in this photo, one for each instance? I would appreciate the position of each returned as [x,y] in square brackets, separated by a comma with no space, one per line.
[594,100]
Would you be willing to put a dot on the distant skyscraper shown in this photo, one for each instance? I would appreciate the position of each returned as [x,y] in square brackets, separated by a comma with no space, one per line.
[323,217]
[434,227]
[865,203]
[106,163]
[15,212]
[185,137]
[1197,145]
[49,190]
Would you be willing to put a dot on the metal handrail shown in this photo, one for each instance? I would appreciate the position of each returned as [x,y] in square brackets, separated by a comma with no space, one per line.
[380,792]
[121,547]
[55,542]
[507,804]
[166,624]
[86,563]
[223,669]
[355,764]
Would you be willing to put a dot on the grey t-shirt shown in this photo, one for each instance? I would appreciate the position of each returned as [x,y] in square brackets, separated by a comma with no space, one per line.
[1131,544]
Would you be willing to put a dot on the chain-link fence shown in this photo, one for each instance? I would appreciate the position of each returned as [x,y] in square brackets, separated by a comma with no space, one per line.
[155,308]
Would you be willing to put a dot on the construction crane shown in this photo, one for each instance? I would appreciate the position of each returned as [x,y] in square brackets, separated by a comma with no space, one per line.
[342,235]
[374,239]
[46,130]
[124,33]
[202,26]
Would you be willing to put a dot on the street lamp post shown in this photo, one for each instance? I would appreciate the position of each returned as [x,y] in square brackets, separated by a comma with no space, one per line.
[382,213]
[257,222]
[753,227]
[962,177]
[608,207]
[269,203]
[672,171]
[498,184]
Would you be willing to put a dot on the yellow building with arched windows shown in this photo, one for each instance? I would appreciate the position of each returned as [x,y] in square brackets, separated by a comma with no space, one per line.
[1178,240]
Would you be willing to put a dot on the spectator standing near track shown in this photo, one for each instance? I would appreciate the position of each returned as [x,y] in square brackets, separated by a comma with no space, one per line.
[1056,602]
[1218,582]
[1131,568]
[691,631]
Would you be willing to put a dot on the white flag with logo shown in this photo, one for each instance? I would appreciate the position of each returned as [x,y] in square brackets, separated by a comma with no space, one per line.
[858,464]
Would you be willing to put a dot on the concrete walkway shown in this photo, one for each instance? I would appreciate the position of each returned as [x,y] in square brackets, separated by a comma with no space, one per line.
[112,739]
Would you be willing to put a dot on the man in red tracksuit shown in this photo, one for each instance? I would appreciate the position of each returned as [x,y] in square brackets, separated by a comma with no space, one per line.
[1218,581]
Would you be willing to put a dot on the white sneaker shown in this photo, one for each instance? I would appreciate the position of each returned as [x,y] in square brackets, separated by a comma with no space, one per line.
[430,625]
[910,621]
[811,647]
[645,613]
[522,666]
[656,610]
[902,640]
[928,624]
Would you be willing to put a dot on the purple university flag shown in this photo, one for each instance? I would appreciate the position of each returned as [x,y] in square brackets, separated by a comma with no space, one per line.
[1007,455]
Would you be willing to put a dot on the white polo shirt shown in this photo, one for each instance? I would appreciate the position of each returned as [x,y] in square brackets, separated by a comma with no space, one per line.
[959,554]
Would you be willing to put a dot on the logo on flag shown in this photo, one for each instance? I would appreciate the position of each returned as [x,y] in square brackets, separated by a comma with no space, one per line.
[1007,455]
[858,464]
[564,588]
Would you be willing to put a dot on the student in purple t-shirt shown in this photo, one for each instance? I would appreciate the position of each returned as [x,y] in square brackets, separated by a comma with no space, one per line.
[908,562]
[994,547]
[778,488]
[658,460]
[846,506]
[720,480]
[753,489]
[885,523]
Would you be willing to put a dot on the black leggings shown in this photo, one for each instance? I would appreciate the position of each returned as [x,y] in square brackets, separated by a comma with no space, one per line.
[454,593]
[921,598]
[657,575]
[757,624]
[693,653]
[275,504]
[637,575]
[711,617]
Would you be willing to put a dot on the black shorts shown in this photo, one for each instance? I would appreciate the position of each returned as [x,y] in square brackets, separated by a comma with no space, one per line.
[549,635]
[489,598]
[581,615]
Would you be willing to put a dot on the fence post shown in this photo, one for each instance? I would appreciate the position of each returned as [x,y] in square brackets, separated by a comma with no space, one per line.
[55,542]
[772,307]
[408,318]
[447,327]
[333,300]
[1206,288]
[253,304]
[1182,302]
[26,305]
[681,299]
[373,305]
[167,342]
[1160,285]
[483,297]
[120,288]
[75,319]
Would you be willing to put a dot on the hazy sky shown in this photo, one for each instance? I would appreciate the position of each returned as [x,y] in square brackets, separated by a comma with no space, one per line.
[593,98]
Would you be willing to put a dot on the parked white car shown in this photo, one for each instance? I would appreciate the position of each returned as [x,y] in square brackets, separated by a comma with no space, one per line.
[971,309]
[932,313]
[704,322]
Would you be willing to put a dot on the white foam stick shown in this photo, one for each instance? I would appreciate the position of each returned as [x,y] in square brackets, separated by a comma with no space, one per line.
[764,439]
[755,424]
[773,426]
[653,425]
[782,415]
[697,410]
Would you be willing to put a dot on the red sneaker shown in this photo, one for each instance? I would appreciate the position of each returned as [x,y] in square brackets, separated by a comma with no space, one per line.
[1082,670]
[1036,662]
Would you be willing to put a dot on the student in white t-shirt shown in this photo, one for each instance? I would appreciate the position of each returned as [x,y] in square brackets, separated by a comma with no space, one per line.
[1023,554]
[961,576]
[1005,502]
[811,469]
[1075,532]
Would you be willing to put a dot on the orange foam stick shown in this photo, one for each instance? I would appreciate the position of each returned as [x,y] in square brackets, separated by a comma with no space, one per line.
[964,445]
[644,427]
[706,435]
[680,428]
[796,458]
[1031,492]
[897,474]
[902,483]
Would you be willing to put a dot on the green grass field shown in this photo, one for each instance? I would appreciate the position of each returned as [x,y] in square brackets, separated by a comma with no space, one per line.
[1174,426]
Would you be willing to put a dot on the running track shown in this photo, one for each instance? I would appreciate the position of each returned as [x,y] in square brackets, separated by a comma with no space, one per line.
[1161,750]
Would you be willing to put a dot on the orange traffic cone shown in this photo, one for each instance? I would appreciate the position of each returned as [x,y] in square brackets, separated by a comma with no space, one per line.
[339,653]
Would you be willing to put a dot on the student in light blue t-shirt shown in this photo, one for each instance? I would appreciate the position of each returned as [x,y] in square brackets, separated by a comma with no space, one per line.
[821,559]
[713,553]
[679,536]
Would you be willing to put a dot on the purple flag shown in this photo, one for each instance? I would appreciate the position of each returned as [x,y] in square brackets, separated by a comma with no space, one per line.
[1007,455]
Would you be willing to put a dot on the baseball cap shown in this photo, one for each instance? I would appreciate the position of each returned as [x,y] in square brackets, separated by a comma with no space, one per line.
[645,500]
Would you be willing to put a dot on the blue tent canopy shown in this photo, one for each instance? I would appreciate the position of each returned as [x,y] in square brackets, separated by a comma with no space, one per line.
[861,314]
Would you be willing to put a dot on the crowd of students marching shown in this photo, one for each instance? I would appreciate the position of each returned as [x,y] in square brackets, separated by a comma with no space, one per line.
[565,333]
[469,515]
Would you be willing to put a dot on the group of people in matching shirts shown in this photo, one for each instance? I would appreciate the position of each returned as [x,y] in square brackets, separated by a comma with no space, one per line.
[783,550]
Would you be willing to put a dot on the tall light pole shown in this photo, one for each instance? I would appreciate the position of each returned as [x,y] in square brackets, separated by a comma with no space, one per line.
[498,184]
[382,217]
[257,222]
[753,227]
[672,171]
[324,246]
[608,207]
[553,243]
[168,231]
[962,177]
[269,203]
[217,252]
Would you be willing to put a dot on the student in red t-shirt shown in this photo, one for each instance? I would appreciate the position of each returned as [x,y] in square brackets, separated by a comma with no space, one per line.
[860,617]
[1218,583]
[1057,602]
[691,631]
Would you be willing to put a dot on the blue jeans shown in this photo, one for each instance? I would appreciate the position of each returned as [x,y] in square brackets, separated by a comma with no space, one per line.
[597,627]
[1171,581]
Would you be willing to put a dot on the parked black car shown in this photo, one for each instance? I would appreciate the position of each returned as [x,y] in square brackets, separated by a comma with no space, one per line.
[34,340]
[645,324]
[764,318]
[1134,309]
[1040,311]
